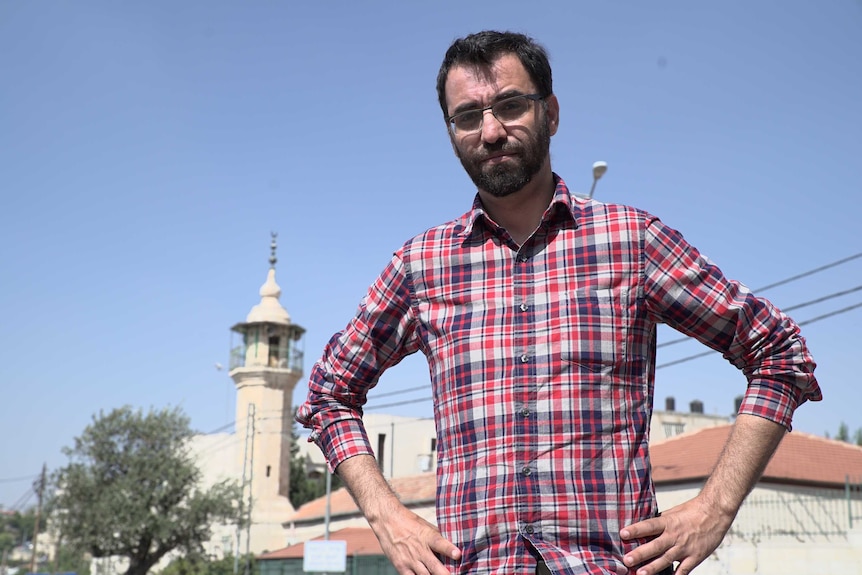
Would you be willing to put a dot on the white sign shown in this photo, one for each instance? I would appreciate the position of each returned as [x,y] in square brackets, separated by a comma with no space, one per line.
[325,556]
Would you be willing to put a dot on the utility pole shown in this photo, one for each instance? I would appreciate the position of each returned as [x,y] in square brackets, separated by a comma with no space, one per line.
[39,492]
[251,416]
[392,452]
[245,511]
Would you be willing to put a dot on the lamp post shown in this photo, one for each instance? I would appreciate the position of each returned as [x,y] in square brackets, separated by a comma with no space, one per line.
[599,169]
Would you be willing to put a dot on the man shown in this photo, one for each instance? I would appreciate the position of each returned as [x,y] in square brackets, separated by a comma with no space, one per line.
[537,311]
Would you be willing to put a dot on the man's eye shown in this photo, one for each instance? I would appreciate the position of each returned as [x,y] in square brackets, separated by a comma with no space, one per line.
[468,119]
[511,109]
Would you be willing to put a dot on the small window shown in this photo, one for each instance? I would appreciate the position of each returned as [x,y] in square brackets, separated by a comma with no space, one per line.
[433,444]
[381,446]
[673,429]
[268,470]
[273,351]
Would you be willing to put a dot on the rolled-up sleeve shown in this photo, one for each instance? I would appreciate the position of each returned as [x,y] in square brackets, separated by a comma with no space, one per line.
[685,290]
[380,335]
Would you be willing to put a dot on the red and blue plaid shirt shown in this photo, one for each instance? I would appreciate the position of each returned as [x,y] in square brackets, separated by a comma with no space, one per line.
[542,361]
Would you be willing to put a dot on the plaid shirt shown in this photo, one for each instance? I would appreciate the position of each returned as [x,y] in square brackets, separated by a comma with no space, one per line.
[542,361]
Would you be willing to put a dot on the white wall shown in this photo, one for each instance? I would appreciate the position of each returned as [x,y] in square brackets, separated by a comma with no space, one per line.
[407,444]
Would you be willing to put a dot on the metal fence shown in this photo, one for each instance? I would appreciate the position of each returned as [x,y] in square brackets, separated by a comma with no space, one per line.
[808,514]
[853,493]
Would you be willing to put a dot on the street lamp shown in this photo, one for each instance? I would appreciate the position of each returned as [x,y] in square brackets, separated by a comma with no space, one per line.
[599,169]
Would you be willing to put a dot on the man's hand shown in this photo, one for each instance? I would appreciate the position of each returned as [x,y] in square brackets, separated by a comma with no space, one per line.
[410,543]
[687,533]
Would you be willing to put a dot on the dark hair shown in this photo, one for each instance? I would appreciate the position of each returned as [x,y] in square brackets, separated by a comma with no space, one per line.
[483,48]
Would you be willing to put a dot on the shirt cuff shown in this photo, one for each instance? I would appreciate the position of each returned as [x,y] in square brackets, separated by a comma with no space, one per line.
[773,402]
[342,440]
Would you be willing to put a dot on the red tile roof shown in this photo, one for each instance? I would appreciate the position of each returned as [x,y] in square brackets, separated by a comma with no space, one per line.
[801,458]
[413,490]
[360,541]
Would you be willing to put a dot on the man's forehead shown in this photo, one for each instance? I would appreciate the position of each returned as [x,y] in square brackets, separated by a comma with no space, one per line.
[504,71]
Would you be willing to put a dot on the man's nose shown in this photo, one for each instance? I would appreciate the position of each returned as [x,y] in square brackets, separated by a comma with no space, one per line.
[493,129]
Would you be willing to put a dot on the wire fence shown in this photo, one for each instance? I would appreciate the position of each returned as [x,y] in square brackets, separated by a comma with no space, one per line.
[810,514]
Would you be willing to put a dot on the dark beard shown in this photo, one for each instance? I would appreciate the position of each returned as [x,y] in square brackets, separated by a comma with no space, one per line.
[507,178]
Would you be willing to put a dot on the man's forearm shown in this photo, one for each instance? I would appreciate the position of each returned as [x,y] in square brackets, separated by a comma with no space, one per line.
[372,493]
[689,532]
[411,543]
[748,450]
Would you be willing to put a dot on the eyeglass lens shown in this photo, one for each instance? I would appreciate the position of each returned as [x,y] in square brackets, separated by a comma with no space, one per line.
[506,110]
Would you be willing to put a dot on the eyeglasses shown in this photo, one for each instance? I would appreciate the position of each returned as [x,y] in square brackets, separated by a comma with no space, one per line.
[506,110]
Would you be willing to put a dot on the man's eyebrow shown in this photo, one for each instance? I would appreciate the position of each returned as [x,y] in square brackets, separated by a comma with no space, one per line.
[471,106]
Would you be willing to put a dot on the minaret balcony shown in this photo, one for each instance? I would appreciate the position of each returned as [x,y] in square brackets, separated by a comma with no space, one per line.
[289,359]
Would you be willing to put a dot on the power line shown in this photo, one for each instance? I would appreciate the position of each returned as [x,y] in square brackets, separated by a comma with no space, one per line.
[663,365]
[806,322]
[23,500]
[685,359]
[400,391]
[222,428]
[791,308]
[830,314]
[786,281]
[14,479]
[398,403]
[682,339]
[822,299]
[810,272]
[220,445]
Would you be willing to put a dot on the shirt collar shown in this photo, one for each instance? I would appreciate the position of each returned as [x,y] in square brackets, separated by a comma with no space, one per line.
[562,197]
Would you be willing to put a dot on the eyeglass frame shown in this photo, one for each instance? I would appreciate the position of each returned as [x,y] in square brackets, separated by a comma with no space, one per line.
[535,97]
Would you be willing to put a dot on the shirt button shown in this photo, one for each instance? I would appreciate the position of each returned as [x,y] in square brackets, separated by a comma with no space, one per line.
[528,529]
[524,307]
[525,358]
[526,471]
[522,259]
[525,412]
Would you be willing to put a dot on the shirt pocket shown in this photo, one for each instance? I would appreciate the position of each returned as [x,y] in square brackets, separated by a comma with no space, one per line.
[595,326]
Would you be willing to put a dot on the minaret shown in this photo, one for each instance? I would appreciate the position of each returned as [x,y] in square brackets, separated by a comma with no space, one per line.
[265,367]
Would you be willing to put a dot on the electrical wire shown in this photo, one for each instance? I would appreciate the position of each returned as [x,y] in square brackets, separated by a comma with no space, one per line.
[398,403]
[830,314]
[660,366]
[783,282]
[698,355]
[791,308]
[810,272]
[401,391]
[800,323]
[23,500]
[23,478]
[222,428]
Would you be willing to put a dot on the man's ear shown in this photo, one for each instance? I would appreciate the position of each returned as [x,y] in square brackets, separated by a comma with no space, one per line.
[553,111]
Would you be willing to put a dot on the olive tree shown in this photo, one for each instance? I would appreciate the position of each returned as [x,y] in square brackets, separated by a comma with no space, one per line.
[132,489]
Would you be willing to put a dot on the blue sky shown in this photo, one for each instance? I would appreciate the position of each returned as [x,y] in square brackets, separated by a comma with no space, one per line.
[147,150]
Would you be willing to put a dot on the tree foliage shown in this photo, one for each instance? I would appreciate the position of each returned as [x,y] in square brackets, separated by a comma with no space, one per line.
[132,489]
[206,566]
[16,528]
[844,434]
[69,560]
